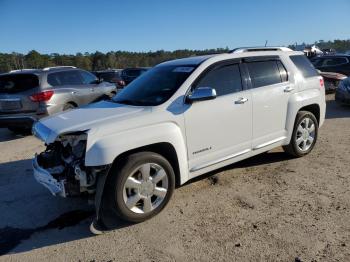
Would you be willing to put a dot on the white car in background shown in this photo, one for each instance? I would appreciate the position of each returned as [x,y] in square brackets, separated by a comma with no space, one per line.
[179,120]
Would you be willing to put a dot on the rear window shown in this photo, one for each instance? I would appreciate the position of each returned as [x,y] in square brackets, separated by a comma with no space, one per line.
[264,73]
[133,72]
[304,65]
[13,83]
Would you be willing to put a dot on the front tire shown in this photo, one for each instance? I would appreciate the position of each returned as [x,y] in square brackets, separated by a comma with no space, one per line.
[304,135]
[138,187]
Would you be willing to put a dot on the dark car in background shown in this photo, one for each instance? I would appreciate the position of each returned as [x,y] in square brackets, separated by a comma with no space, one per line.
[130,74]
[28,95]
[342,94]
[333,63]
[111,76]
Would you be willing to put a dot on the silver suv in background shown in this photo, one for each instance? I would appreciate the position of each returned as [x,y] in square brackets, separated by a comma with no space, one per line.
[28,95]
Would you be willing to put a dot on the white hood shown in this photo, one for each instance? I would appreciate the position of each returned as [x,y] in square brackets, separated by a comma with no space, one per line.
[85,118]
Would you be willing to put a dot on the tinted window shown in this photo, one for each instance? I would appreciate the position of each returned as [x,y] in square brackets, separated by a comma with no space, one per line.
[64,78]
[13,83]
[225,80]
[88,78]
[155,86]
[133,72]
[334,61]
[304,65]
[264,73]
[109,76]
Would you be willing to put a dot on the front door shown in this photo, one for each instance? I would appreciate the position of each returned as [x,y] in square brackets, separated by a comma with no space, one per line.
[219,130]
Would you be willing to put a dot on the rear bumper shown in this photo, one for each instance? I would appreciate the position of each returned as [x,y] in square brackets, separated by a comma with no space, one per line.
[17,121]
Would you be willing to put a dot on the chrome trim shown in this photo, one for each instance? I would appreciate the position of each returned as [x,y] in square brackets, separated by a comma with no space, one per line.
[10,100]
[220,160]
[269,143]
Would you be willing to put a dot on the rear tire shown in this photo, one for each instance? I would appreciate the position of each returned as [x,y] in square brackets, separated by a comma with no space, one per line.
[68,106]
[304,135]
[138,188]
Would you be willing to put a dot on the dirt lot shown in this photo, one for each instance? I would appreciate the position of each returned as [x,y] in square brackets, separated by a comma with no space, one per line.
[268,208]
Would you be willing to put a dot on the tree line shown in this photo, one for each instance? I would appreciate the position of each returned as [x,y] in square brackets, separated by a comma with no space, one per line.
[119,59]
[96,61]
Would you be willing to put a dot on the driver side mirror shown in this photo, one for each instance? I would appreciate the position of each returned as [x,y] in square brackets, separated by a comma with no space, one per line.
[201,94]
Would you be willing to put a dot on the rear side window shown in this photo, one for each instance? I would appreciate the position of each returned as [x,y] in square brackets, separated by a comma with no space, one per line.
[225,80]
[64,78]
[14,83]
[304,65]
[265,73]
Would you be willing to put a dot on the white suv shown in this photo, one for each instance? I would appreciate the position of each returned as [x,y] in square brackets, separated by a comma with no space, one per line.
[181,119]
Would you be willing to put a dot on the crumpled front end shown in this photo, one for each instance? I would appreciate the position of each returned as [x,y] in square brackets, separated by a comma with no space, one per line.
[60,168]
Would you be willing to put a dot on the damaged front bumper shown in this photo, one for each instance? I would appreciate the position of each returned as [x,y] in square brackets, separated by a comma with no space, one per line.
[43,177]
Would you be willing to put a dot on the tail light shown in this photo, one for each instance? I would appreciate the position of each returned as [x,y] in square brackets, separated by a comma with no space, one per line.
[121,83]
[321,82]
[42,96]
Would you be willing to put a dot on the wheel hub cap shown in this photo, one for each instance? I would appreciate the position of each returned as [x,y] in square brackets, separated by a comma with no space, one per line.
[147,188]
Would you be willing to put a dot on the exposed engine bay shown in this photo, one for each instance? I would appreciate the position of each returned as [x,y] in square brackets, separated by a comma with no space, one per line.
[64,160]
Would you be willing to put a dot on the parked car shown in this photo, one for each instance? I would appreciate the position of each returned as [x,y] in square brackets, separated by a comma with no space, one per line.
[329,51]
[28,95]
[331,80]
[313,51]
[179,120]
[335,63]
[111,76]
[342,94]
[130,74]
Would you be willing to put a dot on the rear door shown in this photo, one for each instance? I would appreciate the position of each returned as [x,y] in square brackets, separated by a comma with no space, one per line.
[271,90]
[15,92]
[69,86]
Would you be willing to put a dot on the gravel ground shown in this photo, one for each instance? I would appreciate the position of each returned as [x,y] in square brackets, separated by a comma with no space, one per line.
[268,208]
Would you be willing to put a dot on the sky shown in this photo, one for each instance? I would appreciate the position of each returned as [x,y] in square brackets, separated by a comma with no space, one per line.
[71,26]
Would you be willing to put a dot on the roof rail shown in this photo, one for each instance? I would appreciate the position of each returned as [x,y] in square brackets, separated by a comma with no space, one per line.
[21,70]
[56,67]
[260,49]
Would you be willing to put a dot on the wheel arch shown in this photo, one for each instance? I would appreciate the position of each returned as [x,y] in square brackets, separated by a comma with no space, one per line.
[165,149]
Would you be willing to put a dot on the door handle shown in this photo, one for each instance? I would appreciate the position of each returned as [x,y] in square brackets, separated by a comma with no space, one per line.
[241,100]
[288,89]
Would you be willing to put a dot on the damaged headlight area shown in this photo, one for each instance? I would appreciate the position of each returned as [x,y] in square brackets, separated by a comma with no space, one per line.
[61,169]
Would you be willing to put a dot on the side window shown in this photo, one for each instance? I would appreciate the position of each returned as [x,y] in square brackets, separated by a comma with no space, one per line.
[304,65]
[87,77]
[64,78]
[264,73]
[225,80]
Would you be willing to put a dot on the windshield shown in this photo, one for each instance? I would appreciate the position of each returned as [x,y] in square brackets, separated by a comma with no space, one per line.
[155,86]
[109,76]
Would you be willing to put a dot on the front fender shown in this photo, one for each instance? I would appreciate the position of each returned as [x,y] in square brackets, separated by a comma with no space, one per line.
[104,150]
